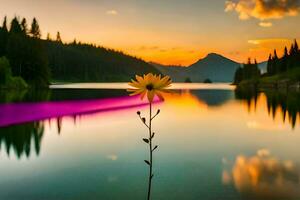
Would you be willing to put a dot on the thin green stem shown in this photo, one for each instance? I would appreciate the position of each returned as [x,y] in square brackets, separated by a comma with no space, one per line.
[150,150]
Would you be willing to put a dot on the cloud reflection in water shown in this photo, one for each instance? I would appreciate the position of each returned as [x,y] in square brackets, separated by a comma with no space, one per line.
[263,176]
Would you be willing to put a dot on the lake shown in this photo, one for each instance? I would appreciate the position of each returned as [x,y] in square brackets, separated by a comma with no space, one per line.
[84,141]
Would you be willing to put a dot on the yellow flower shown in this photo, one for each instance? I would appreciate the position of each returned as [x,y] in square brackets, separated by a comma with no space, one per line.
[149,85]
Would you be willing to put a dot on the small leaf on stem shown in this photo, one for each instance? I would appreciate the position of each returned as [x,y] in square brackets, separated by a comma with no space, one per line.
[146,161]
[152,135]
[145,140]
[152,176]
[138,112]
[154,148]
[144,120]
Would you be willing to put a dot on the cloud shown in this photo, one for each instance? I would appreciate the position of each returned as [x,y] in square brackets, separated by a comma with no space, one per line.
[263,9]
[265,24]
[111,12]
[147,48]
[263,176]
[271,43]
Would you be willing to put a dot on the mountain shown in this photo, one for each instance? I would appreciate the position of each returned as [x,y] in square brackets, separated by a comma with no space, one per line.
[177,73]
[215,67]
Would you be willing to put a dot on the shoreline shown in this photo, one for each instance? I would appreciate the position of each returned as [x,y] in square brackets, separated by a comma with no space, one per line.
[281,85]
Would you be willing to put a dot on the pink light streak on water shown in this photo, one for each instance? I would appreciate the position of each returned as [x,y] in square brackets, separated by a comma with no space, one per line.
[16,113]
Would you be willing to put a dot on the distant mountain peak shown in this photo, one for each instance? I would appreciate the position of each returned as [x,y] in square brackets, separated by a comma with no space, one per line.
[213,56]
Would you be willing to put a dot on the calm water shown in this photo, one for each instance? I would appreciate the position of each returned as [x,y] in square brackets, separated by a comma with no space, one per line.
[214,144]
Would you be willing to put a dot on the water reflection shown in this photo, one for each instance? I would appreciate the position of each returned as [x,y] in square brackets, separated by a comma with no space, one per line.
[196,128]
[285,106]
[278,103]
[213,97]
[263,176]
[21,138]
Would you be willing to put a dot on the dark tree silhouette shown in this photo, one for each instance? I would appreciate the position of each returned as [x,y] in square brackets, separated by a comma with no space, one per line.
[3,38]
[275,65]
[287,101]
[296,48]
[33,58]
[284,61]
[48,37]
[26,54]
[247,72]
[19,138]
[24,26]
[4,25]
[238,76]
[35,29]
[58,38]
[270,65]
[15,27]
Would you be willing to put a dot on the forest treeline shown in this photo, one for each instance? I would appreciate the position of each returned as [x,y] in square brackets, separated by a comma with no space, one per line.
[25,52]
[39,61]
[289,62]
[248,71]
[87,62]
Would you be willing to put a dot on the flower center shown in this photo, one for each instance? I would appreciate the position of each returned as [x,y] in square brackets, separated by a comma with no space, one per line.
[149,86]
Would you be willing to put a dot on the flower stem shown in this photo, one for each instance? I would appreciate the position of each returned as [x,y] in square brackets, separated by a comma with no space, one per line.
[150,150]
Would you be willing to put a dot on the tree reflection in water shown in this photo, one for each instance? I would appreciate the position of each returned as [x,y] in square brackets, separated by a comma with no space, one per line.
[19,138]
[283,103]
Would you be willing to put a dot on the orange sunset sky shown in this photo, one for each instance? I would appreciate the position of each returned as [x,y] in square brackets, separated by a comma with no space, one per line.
[174,32]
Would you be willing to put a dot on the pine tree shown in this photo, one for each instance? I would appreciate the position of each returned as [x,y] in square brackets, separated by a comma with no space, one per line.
[284,61]
[275,54]
[24,26]
[269,65]
[15,26]
[48,37]
[297,55]
[275,64]
[3,38]
[291,52]
[285,52]
[58,38]
[35,29]
[4,25]
[249,61]
[296,48]
[74,42]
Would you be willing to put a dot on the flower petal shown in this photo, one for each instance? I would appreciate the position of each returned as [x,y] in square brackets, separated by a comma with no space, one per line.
[160,96]
[136,92]
[150,95]
[143,94]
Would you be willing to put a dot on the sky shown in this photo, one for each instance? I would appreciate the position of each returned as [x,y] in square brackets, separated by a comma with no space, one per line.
[172,32]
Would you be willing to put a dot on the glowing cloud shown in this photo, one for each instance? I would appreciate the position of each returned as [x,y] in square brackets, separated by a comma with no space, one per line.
[271,42]
[265,24]
[263,47]
[111,12]
[263,9]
